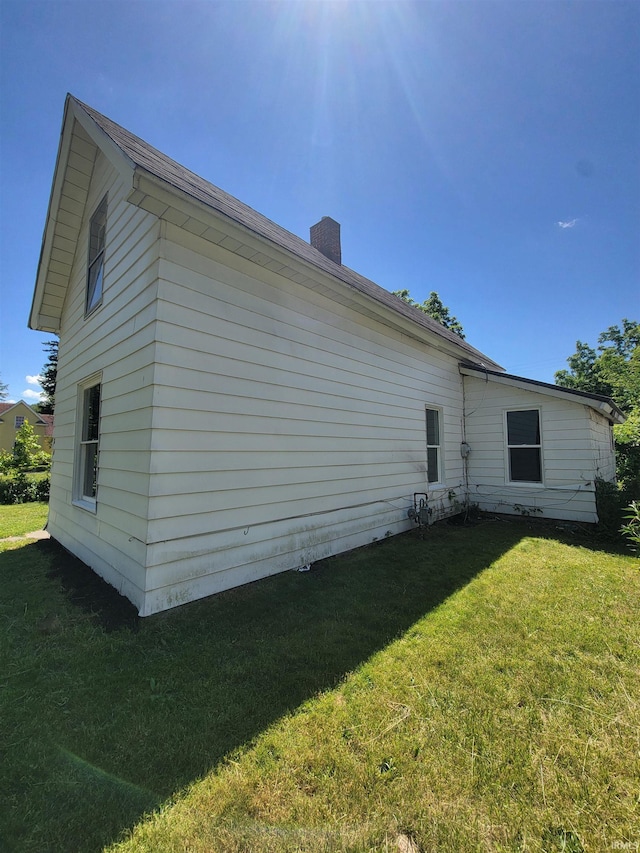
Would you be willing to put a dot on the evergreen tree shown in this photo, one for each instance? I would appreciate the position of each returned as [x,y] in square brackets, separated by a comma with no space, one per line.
[49,376]
[434,307]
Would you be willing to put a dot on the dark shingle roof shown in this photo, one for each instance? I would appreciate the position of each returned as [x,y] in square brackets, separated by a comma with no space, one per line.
[144,156]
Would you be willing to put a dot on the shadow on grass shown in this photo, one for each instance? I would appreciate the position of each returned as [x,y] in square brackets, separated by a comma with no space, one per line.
[108,716]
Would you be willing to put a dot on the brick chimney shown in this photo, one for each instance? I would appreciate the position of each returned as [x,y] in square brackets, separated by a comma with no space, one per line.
[325,237]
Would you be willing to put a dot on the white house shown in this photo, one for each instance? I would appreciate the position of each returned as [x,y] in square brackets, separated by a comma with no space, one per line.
[233,402]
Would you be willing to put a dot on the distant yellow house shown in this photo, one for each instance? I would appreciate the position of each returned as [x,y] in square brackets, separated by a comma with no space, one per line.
[13,415]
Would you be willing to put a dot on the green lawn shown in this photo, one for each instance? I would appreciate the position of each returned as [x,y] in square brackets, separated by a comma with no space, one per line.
[19,519]
[477,690]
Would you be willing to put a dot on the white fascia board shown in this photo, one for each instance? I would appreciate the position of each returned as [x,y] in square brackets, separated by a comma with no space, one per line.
[47,237]
[116,156]
[72,113]
[564,394]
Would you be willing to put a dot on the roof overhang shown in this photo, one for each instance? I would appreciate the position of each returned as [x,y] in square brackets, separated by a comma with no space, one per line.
[603,405]
[80,139]
[176,207]
[168,191]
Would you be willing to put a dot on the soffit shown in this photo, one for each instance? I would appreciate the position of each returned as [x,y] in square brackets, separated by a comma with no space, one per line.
[62,229]
[80,141]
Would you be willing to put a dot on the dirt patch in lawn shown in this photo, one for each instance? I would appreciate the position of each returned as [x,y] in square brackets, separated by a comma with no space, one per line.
[86,590]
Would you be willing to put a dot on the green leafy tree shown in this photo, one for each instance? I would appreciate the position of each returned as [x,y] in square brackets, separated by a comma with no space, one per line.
[49,377]
[4,390]
[613,369]
[434,307]
[27,453]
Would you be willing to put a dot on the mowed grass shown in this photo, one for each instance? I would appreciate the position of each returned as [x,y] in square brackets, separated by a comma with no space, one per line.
[475,690]
[18,519]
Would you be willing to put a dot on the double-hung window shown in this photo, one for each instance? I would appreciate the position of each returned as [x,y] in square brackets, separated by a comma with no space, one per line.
[18,421]
[434,456]
[86,479]
[524,446]
[95,268]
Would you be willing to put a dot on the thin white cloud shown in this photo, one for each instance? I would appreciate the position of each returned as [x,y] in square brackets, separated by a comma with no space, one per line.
[33,380]
[567,224]
[36,396]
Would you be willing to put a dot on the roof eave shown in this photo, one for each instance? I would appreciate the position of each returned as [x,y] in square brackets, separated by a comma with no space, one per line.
[400,315]
[146,185]
[72,112]
[47,237]
[600,404]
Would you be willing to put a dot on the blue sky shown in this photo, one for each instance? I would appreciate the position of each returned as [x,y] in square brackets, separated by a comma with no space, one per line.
[486,150]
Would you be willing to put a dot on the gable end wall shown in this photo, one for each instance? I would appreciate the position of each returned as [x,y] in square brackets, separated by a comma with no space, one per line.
[118,342]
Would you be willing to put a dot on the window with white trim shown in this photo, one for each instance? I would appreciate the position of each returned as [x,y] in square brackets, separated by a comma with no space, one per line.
[95,265]
[19,421]
[86,475]
[434,456]
[524,446]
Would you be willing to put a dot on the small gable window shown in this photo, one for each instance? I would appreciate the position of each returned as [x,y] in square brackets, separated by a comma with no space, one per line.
[19,421]
[524,446]
[97,231]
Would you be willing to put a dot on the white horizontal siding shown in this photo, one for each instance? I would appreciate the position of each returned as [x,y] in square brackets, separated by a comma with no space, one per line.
[285,427]
[210,564]
[118,342]
[568,490]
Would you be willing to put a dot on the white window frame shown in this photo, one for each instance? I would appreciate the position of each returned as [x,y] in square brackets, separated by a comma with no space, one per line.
[17,418]
[86,447]
[508,447]
[437,447]
[95,258]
